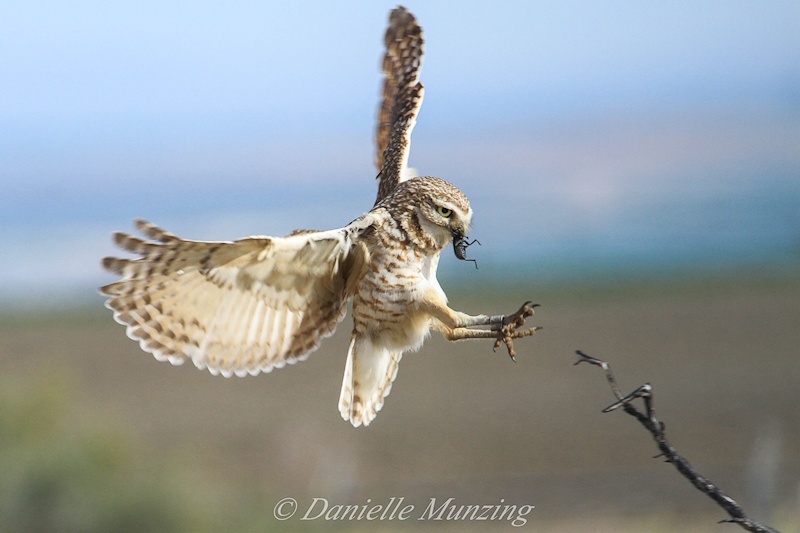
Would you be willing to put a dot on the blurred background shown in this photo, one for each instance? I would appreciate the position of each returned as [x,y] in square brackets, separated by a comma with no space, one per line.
[635,168]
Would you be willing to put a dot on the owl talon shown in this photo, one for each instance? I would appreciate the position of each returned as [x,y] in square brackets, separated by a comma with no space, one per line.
[518,319]
[506,337]
[511,352]
[508,332]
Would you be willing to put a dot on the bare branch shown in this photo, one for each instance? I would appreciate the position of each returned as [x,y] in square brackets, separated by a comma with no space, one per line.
[657,429]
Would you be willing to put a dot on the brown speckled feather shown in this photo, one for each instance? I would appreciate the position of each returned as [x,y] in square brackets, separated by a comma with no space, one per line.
[239,307]
[401,100]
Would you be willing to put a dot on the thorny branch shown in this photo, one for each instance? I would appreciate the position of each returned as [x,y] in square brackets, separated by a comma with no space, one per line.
[657,429]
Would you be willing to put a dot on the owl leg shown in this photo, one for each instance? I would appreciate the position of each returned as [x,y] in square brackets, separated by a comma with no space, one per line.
[456,326]
[496,323]
[504,336]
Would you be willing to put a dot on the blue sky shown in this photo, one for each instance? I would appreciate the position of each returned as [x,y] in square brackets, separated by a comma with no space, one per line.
[630,129]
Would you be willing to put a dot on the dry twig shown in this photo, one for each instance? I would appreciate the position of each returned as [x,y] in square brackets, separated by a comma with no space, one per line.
[657,429]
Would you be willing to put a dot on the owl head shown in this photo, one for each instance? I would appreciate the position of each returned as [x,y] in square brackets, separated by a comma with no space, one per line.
[431,210]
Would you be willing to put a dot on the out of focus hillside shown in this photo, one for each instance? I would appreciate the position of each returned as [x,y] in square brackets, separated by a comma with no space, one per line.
[98,435]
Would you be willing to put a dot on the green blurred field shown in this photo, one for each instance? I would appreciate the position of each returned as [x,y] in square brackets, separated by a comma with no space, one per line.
[97,435]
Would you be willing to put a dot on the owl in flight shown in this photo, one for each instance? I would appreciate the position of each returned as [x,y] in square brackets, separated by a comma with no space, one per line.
[258,303]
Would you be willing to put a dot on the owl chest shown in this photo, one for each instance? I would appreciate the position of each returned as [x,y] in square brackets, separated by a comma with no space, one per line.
[386,303]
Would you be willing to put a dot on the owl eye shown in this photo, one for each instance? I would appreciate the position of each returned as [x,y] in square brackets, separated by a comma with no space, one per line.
[444,211]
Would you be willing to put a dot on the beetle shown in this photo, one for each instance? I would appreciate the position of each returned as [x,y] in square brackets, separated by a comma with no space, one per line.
[460,245]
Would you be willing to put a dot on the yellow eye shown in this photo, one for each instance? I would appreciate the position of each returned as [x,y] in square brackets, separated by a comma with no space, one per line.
[444,211]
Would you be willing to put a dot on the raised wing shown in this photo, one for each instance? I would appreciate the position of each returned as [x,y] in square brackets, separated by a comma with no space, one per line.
[239,307]
[402,98]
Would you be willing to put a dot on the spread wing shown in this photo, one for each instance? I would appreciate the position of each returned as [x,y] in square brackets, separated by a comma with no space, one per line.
[239,307]
[402,98]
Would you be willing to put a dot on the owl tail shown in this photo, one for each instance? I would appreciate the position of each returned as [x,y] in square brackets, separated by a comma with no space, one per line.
[368,377]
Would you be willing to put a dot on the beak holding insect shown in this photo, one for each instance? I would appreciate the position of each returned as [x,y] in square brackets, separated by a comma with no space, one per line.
[460,245]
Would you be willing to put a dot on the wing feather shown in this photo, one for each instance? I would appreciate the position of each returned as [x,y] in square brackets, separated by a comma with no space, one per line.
[235,308]
[368,376]
[401,99]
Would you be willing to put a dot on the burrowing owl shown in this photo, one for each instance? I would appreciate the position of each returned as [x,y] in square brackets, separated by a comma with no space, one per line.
[258,303]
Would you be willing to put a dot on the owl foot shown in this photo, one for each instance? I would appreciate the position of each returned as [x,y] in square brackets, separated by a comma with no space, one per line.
[509,330]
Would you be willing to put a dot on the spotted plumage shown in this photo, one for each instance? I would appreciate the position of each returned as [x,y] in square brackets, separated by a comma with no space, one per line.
[248,306]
